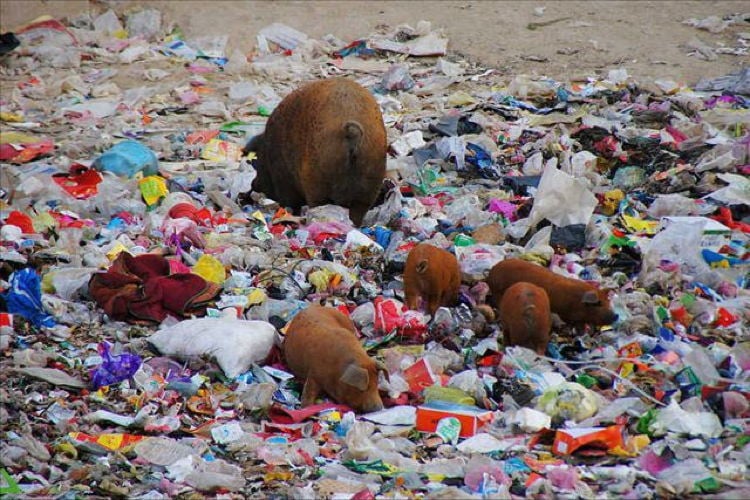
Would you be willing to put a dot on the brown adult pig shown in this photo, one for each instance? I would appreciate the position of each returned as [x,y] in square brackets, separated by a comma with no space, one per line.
[321,347]
[432,274]
[325,143]
[576,302]
[525,314]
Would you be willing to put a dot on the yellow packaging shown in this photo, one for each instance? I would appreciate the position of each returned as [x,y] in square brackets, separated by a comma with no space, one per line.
[210,269]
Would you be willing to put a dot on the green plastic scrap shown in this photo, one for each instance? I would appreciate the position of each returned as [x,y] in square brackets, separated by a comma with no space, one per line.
[662,314]
[687,299]
[742,441]
[237,127]
[586,380]
[645,422]
[374,467]
[708,485]
[463,240]
[430,182]
[12,487]
[371,344]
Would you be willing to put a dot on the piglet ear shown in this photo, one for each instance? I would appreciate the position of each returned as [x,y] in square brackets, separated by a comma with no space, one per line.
[356,376]
[591,298]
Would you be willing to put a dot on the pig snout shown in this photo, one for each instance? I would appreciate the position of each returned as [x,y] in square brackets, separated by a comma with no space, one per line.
[365,402]
[598,307]
[372,406]
[608,317]
[599,315]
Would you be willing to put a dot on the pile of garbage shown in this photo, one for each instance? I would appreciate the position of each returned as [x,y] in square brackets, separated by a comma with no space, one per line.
[144,298]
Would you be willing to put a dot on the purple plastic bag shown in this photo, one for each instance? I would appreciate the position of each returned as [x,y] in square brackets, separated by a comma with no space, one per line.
[114,368]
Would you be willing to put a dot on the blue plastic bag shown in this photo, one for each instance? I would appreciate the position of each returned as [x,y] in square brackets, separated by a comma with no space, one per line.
[114,369]
[127,158]
[24,297]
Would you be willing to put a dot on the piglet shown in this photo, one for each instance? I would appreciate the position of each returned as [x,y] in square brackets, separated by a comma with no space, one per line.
[325,143]
[525,314]
[321,347]
[432,274]
[576,302]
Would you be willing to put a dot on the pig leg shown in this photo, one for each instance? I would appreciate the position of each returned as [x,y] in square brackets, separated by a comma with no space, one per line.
[433,303]
[310,392]
[411,298]
[448,299]
[357,213]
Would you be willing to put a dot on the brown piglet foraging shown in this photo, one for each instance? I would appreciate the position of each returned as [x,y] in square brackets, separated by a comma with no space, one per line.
[321,347]
[432,274]
[325,143]
[576,302]
[525,314]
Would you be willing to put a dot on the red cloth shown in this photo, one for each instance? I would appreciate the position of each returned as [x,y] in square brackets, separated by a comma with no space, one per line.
[20,219]
[141,290]
[80,182]
[186,210]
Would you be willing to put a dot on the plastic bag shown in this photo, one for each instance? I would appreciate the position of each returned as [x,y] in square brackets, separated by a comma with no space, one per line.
[16,147]
[210,269]
[113,368]
[397,78]
[145,23]
[282,35]
[567,401]
[674,419]
[127,158]
[24,297]
[737,192]
[67,281]
[235,344]
[476,260]
[679,242]
[561,199]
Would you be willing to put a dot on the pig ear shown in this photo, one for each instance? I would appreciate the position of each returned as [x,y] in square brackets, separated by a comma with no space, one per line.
[381,368]
[591,298]
[356,376]
[422,266]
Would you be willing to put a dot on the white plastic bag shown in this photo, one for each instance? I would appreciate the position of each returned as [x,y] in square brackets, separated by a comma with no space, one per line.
[235,344]
[561,199]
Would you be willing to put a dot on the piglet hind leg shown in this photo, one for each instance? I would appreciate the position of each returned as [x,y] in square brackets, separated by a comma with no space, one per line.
[310,392]
[357,214]
[433,304]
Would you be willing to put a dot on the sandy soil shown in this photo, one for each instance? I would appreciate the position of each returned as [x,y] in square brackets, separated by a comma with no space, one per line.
[570,39]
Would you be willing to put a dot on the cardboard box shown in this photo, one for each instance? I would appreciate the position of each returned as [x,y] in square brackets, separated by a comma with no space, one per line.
[569,440]
[472,418]
[419,375]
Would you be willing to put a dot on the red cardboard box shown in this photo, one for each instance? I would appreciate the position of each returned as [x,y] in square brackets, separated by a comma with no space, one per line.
[569,440]
[419,375]
[472,418]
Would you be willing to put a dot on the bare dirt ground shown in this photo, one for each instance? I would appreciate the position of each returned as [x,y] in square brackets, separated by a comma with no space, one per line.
[569,39]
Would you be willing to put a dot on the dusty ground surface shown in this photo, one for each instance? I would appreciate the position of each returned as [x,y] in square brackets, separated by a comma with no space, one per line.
[568,40]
